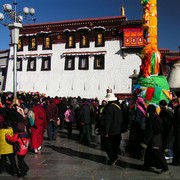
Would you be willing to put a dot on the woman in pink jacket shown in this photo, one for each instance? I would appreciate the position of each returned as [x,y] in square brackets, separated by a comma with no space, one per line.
[69,118]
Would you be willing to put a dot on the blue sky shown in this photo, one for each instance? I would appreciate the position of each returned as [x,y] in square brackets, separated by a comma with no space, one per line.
[58,10]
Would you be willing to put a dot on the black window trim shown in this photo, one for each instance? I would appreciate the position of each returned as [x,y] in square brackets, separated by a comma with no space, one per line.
[44,42]
[19,60]
[86,62]
[67,58]
[81,43]
[30,43]
[67,40]
[44,59]
[20,49]
[31,59]
[103,62]
[96,39]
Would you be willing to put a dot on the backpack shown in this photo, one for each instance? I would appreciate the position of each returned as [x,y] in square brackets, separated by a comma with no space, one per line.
[31,117]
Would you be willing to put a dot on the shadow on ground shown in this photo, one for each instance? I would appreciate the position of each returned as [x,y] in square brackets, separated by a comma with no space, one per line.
[97,158]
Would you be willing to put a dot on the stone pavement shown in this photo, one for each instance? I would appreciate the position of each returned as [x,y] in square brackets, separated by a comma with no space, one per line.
[67,159]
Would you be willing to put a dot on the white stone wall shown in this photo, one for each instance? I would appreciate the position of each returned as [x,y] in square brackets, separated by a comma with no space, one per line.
[85,83]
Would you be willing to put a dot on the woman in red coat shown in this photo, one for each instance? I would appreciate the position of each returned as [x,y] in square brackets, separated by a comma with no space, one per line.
[40,124]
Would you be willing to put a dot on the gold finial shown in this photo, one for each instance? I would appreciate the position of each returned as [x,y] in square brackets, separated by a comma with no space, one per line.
[122,11]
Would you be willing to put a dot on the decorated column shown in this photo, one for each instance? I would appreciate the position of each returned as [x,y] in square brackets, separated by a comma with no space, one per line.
[150,85]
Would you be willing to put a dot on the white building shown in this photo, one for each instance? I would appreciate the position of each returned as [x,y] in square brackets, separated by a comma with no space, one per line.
[78,57]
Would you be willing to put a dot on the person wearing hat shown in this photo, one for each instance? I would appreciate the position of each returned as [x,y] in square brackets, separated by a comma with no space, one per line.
[113,119]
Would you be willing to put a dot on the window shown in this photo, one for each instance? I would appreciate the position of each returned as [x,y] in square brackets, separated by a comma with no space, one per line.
[83,63]
[70,43]
[20,44]
[32,43]
[47,43]
[69,63]
[133,37]
[19,64]
[46,64]
[31,64]
[84,41]
[4,71]
[99,39]
[99,62]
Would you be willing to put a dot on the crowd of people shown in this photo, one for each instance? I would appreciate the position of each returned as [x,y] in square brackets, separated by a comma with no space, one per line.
[153,133]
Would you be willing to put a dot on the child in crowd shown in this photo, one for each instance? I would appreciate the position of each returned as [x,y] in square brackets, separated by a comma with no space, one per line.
[20,142]
[6,150]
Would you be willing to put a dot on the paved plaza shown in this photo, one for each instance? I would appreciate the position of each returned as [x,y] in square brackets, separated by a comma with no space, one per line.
[68,159]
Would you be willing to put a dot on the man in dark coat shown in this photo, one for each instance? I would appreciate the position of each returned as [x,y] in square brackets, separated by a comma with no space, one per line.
[85,122]
[52,117]
[176,129]
[113,119]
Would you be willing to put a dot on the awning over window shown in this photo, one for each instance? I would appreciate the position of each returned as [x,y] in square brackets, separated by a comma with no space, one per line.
[44,55]
[33,55]
[35,34]
[92,53]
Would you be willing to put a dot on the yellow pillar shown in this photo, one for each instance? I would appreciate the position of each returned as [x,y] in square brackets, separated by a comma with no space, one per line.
[150,21]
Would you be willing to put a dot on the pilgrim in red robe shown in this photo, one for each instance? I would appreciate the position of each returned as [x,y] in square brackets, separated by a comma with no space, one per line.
[40,124]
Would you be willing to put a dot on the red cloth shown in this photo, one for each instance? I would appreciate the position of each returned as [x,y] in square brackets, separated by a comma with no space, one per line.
[149,93]
[56,101]
[40,123]
[36,137]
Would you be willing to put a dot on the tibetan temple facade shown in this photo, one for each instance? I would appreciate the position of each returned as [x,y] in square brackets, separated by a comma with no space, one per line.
[78,57]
